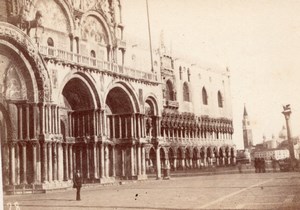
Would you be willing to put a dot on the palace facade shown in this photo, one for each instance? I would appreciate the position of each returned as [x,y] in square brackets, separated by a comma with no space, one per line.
[74,95]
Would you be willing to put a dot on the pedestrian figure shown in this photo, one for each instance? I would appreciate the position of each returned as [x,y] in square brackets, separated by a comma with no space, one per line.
[255,165]
[77,184]
[239,165]
[263,165]
[274,164]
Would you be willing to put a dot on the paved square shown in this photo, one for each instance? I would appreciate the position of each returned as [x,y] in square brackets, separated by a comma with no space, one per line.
[230,191]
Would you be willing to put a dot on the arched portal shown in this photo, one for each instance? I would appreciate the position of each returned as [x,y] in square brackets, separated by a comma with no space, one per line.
[202,156]
[80,119]
[123,127]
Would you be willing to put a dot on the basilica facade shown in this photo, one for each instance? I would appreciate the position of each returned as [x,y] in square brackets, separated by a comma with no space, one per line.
[74,95]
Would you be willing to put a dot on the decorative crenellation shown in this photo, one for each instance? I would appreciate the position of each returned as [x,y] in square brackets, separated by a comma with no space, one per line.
[192,122]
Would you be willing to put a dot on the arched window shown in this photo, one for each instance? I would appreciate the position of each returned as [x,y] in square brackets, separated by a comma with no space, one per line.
[93,54]
[50,42]
[220,99]
[169,91]
[186,93]
[204,96]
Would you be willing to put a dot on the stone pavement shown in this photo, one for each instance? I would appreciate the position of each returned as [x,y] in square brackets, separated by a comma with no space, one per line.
[219,191]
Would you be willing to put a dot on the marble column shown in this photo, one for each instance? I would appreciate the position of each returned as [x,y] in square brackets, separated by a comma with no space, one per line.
[113,162]
[139,160]
[101,160]
[44,161]
[20,122]
[49,155]
[24,163]
[54,159]
[27,122]
[143,160]
[158,164]
[94,160]
[65,162]
[70,154]
[12,163]
[34,161]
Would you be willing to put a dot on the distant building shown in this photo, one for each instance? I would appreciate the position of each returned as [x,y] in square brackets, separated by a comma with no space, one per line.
[276,154]
[247,131]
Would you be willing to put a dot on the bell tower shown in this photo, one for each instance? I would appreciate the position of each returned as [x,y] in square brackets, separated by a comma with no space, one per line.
[247,130]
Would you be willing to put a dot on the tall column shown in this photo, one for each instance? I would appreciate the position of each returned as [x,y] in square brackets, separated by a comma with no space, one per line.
[113,162]
[123,162]
[120,127]
[108,127]
[94,160]
[12,163]
[27,122]
[158,164]
[106,161]
[101,160]
[20,122]
[100,123]
[113,126]
[49,154]
[35,121]
[103,118]
[132,160]
[138,121]
[58,120]
[126,126]
[34,161]
[24,163]
[65,161]
[87,146]
[44,161]
[54,159]
[139,160]
[132,126]
[70,161]
[75,166]
[143,161]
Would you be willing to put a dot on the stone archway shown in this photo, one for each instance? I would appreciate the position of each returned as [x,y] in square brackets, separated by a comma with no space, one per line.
[82,120]
[123,128]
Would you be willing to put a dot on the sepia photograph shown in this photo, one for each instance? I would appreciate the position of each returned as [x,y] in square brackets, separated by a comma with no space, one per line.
[149,104]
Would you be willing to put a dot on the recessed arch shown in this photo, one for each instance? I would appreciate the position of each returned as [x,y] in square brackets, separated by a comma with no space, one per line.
[126,90]
[89,90]
[65,12]
[170,95]
[101,20]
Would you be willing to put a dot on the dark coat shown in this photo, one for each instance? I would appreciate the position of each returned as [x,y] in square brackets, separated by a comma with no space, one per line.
[77,180]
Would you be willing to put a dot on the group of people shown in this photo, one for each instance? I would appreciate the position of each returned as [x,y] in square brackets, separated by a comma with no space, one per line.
[260,165]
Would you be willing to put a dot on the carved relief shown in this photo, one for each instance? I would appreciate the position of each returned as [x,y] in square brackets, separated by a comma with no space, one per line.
[93,30]
[53,15]
[14,89]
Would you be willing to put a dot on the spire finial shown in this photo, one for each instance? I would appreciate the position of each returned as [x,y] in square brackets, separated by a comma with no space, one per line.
[245,111]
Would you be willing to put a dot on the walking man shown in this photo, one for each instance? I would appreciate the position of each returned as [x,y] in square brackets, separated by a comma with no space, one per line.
[77,184]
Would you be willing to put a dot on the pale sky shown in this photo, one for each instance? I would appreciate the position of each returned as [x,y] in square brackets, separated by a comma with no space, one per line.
[259,40]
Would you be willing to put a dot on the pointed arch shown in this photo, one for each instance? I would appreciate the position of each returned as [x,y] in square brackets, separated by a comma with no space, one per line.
[170,91]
